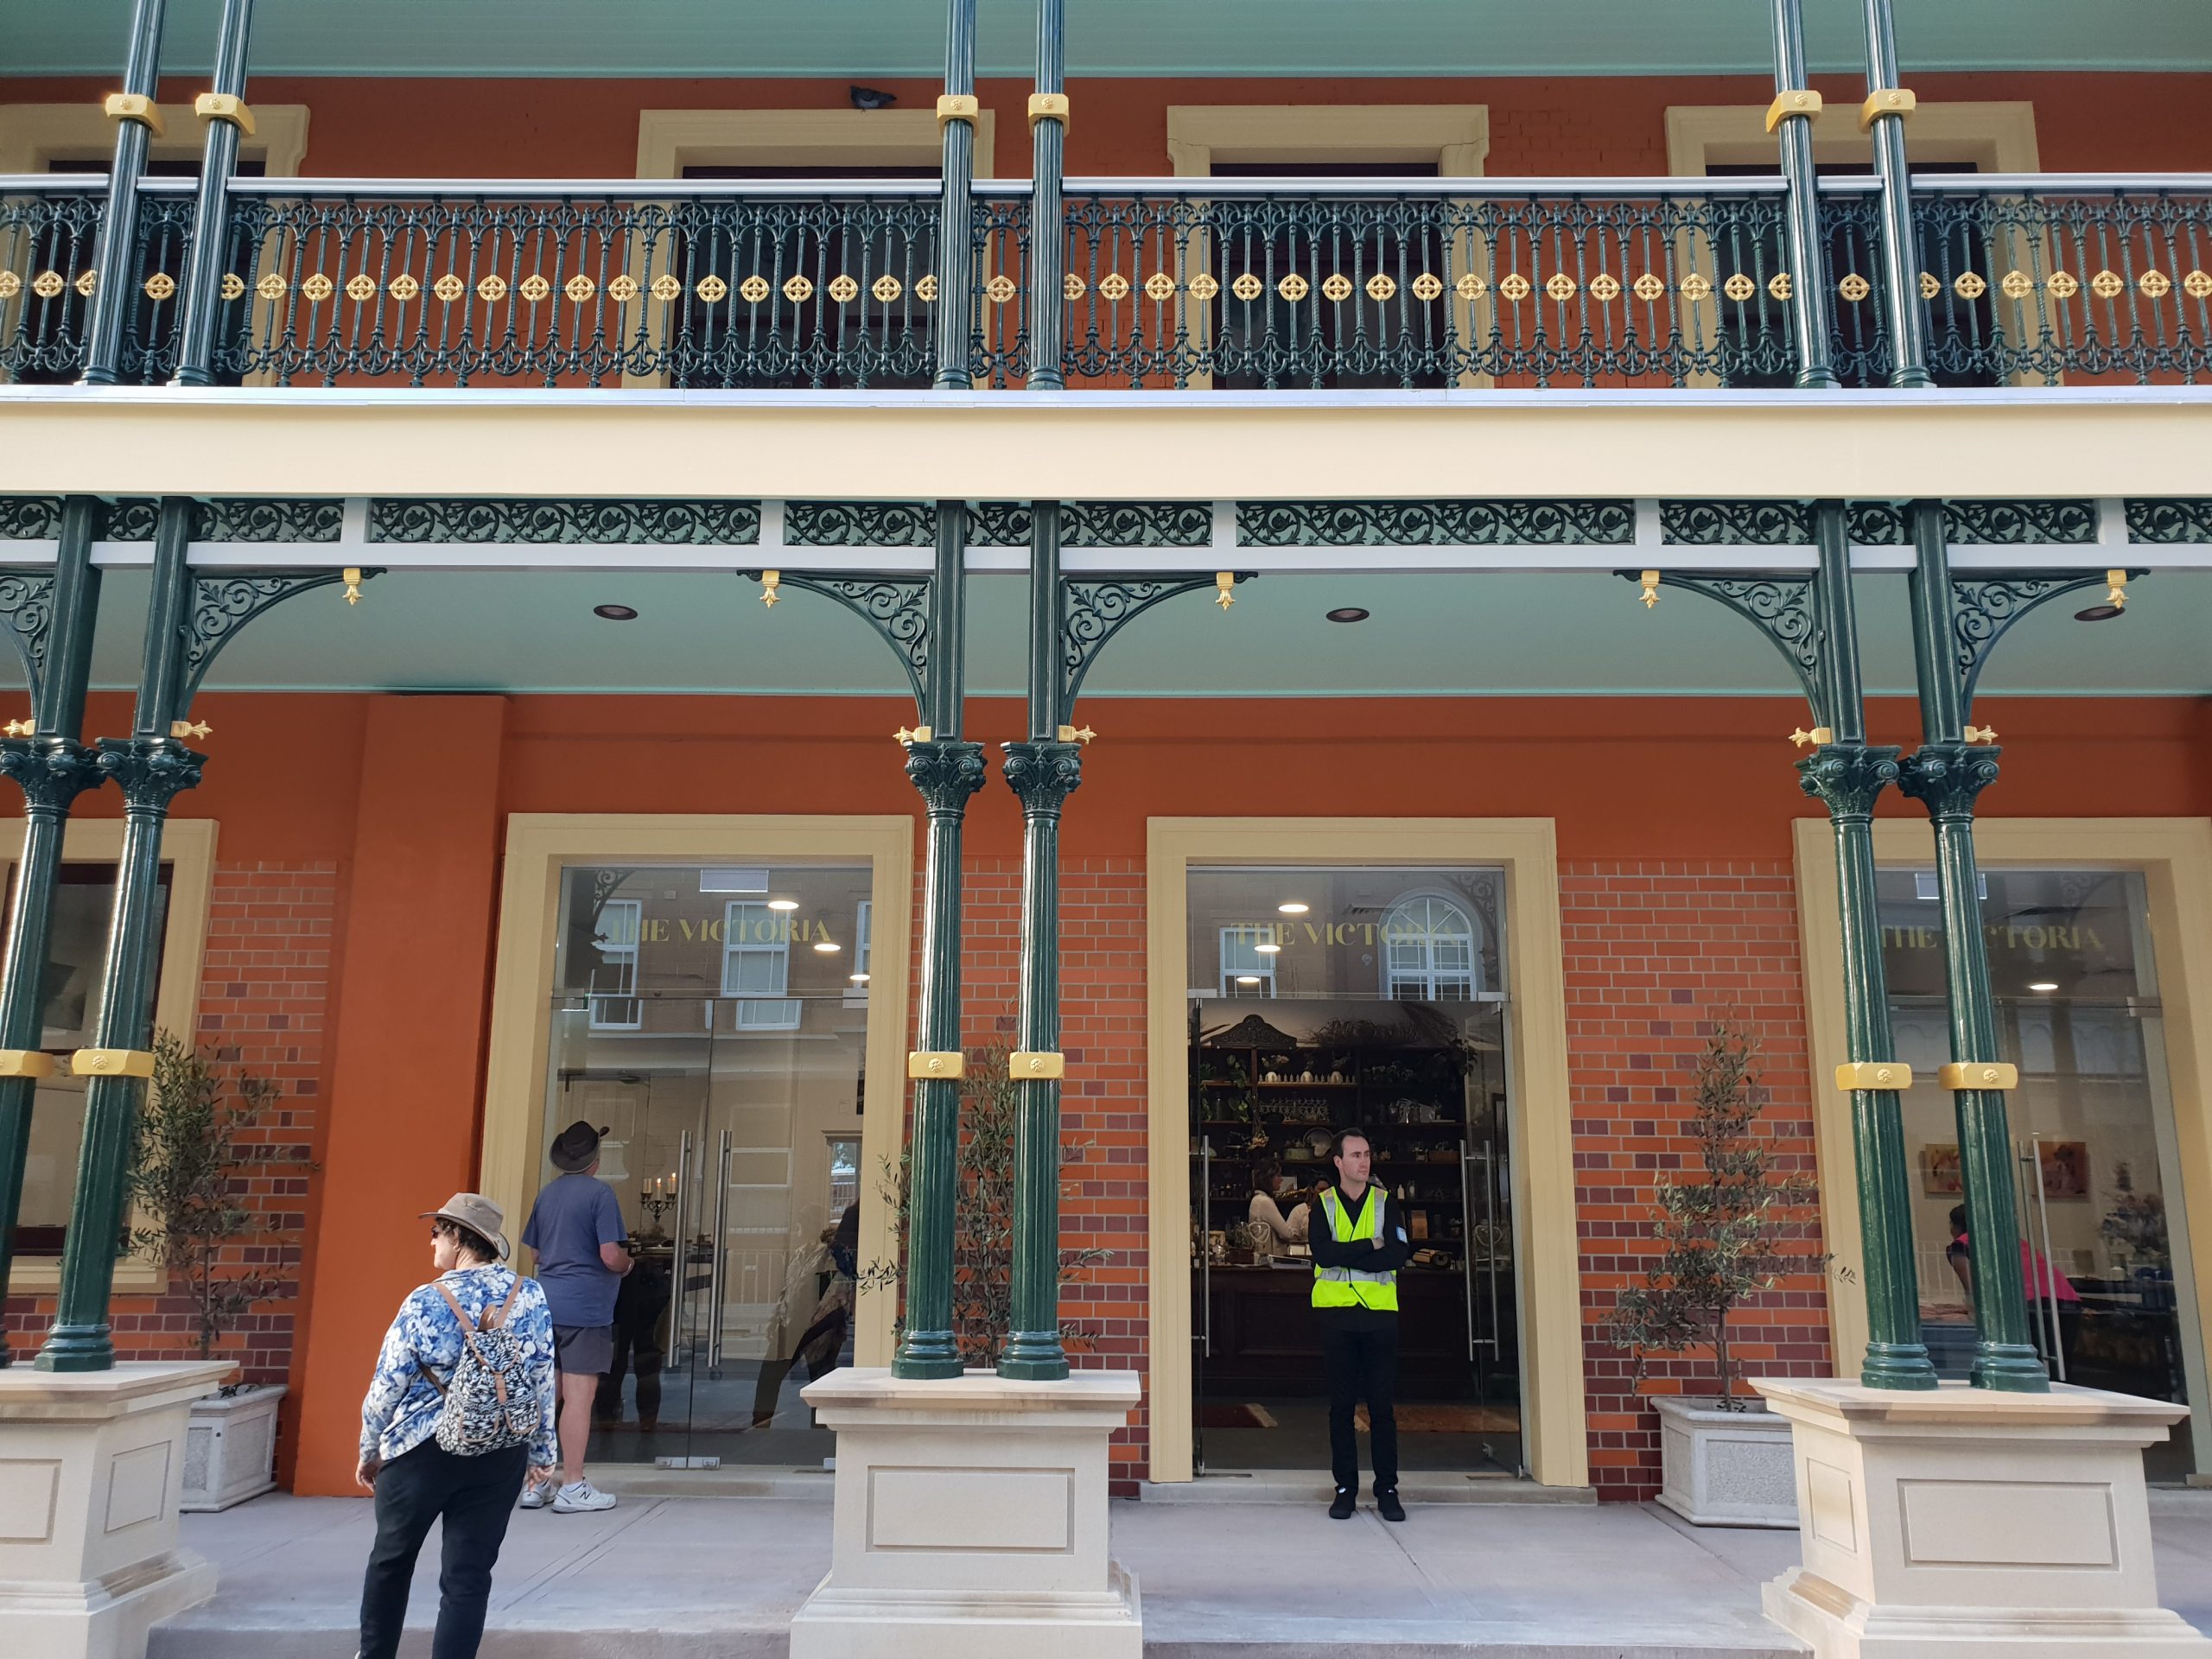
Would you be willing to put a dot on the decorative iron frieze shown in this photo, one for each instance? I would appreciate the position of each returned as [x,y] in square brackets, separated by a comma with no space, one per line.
[29,517]
[27,608]
[897,608]
[1096,524]
[861,524]
[568,523]
[132,518]
[1848,779]
[2021,523]
[223,603]
[1435,523]
[1735,523]
[2170,522]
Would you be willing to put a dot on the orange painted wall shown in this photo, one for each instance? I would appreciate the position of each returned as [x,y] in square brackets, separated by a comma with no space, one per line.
[405,797]
[1539,125]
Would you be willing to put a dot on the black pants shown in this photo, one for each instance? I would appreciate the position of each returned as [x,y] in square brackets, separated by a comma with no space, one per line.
[1363,1365]
[475,1496]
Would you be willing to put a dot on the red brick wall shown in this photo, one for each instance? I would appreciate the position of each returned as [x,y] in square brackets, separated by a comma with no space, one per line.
[1654,951]
[263,1006]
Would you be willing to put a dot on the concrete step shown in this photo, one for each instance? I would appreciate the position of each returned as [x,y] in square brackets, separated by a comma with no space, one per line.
[1305,1486]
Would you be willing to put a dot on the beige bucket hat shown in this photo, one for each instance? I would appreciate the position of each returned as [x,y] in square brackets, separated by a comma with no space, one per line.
[477,1213]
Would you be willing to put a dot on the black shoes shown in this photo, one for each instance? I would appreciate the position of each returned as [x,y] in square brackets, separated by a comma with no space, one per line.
[1341,1509]
[1388,1505]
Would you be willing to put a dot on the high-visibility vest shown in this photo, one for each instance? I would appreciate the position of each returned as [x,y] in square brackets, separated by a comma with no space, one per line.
[1350,1286]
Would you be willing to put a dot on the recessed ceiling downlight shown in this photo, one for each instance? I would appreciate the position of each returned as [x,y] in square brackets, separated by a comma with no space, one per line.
[615,612]
[1348,614]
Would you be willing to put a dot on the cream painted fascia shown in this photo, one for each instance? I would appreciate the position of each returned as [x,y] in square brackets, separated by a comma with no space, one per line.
[2174,855]
[188,849]
[540,844]
[1455,137]
[1102,446]
[1546,1260]
[670,140]
[34,136]
[1994,137]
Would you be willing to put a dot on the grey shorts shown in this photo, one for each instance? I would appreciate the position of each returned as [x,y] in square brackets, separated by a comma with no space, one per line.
[583,1349]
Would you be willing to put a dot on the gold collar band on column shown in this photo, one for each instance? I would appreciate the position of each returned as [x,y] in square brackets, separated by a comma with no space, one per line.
[1026,1063]
[25,1063]
[1977,1074]
[112,1063]
[1873,1074]
[925,1064]
[1803,103]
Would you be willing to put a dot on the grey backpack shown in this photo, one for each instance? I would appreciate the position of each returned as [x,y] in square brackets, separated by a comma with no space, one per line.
[489,1404]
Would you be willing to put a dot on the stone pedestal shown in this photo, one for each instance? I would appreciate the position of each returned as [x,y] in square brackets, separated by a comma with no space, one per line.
[92,1467]
[971,1521]
[1967,1524]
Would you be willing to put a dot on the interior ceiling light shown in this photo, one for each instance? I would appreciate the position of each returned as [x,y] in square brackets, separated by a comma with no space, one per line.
[1248,979]
[782,903]
[2044,985]
[615,612]
[860,979]
[827,947]
[2098,613]
[1267,950]
[1348,614]
[1294,908]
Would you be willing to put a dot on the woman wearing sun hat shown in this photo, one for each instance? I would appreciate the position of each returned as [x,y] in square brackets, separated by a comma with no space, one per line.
[416,1480]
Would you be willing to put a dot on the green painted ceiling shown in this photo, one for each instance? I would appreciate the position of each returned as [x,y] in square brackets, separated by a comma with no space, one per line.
[1458,634]
[861,38]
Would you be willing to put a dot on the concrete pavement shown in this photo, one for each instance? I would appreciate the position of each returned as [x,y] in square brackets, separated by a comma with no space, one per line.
[685,1578]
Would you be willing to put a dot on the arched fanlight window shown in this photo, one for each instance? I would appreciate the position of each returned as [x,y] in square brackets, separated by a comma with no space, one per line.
[1430,950]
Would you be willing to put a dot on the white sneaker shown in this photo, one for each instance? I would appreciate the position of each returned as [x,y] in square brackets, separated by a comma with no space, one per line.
[536,1495]
[581,1498]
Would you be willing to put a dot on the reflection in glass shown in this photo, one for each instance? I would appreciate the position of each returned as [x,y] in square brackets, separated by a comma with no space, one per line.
[2101,1238]
[693,1017]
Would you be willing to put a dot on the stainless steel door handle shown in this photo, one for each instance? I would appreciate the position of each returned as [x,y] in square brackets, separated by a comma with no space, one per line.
[717,1249]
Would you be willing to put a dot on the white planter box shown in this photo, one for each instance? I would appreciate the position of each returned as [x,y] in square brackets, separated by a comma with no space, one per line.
[1726,1468]
[229,1448]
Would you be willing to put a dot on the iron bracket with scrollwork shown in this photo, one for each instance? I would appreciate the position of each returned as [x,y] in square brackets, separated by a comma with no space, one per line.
[223,602]
[1093,609]
[1779,606]
[1985,608]
[897,608]
[26,608]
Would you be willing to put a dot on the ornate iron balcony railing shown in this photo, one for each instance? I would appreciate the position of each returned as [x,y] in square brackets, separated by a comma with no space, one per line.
[1171,283]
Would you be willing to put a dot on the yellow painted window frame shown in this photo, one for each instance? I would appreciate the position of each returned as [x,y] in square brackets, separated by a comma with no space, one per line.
[188,847]
[1546,1260]
[540,845]
[34,135]
[2175,858]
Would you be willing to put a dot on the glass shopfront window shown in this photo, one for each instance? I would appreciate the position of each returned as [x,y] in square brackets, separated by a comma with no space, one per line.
[715,1020]
[2102,1239]
[76,951]
[1333,998]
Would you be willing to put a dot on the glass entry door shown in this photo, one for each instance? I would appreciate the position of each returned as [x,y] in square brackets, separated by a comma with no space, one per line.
[1325,1000]
[715,1022]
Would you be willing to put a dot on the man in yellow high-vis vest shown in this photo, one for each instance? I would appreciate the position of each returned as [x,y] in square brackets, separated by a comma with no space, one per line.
[1359,1245]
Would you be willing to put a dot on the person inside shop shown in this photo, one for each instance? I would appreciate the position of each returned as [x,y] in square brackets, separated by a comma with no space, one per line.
[575,1227]
[1266,1210]
[1359,1243]
[818,1289]
[2052,1298]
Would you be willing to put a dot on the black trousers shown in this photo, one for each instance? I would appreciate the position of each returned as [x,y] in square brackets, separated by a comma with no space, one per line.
[475,1497]
[1362,1366]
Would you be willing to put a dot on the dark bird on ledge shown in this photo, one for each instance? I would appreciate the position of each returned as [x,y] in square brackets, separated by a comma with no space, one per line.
[871,97]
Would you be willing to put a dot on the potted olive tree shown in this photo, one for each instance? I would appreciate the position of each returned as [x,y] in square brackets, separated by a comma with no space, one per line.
[1725,1459]
[188,1168]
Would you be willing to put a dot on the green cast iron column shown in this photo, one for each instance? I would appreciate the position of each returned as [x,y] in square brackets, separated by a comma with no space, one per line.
[153,768]
[1043,771]
[1806,251]
[947,772]
[112,265]
[54,767]
[1847,776]
[956,251]
[203,270]
[1901,305]
[1945,774]
[1048,241]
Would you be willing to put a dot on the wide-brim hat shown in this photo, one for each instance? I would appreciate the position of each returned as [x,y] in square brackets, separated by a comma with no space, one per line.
[477,1213]
[575,1147]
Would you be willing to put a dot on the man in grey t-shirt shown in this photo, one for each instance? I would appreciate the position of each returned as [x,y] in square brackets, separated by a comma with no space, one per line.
[576,1228]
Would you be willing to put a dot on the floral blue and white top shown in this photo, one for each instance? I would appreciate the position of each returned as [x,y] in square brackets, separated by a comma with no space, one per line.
[401,1411]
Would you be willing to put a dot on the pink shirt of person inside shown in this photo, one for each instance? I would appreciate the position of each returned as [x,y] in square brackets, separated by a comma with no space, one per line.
[2044,1283]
